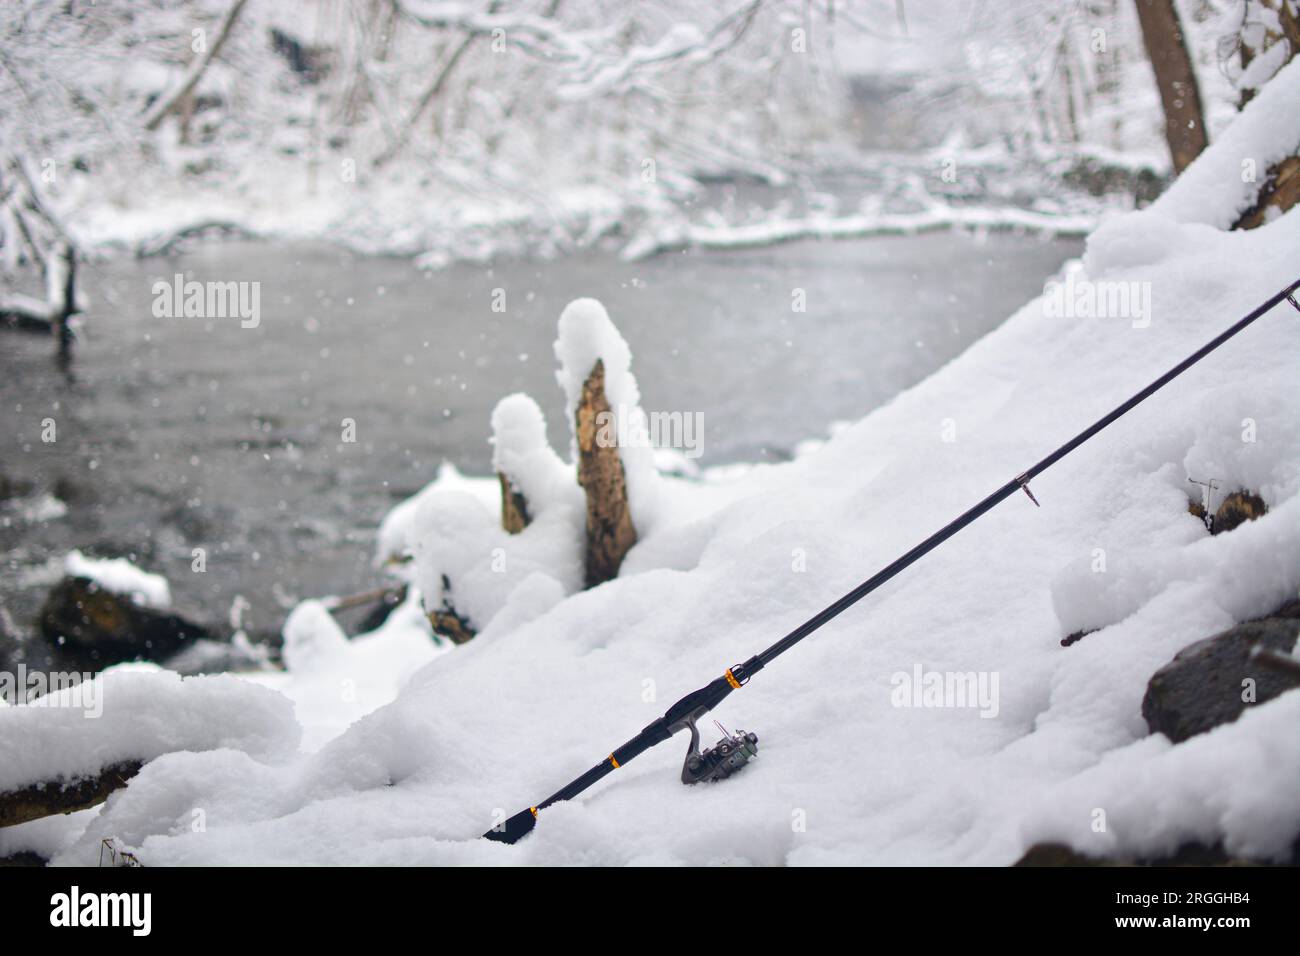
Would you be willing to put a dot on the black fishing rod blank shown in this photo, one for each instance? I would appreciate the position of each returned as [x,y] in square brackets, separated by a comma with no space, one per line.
[686,712]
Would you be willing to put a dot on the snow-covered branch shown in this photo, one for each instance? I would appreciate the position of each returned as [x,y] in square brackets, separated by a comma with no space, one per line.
[538,36]
[592,59]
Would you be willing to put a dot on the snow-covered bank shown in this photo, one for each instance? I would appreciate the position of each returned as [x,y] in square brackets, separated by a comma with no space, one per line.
[441,226]
[444,225]
[936,218]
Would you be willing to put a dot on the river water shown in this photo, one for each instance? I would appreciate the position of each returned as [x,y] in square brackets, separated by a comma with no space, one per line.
[174,433]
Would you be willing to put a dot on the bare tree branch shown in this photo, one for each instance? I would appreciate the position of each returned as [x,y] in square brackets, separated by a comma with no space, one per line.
[430,94]
[165,104]
[584,52]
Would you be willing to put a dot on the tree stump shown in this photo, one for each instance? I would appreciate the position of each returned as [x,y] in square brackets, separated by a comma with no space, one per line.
[610,532]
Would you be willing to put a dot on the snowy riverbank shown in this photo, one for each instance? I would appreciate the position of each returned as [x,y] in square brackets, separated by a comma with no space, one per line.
[847,772]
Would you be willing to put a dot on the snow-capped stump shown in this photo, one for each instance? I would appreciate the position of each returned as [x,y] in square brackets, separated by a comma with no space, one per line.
[610,533]
[615,466]
[470,553]
[453,536]
[1213,681]
[108,611]
[572,526]
[1238,508]
[532,476]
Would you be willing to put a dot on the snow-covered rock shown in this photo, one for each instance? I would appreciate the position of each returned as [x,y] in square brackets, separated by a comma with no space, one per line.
[120,576]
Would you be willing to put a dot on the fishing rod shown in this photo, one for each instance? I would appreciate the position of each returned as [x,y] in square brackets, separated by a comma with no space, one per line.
[734,750]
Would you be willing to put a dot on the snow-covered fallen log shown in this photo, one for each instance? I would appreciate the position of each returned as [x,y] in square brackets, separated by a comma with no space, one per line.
[47,798]
[70,748]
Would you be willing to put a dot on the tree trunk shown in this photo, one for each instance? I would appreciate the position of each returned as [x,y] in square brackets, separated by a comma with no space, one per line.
[1179,94]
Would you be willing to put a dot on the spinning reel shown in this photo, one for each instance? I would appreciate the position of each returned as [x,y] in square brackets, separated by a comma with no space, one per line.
[721,760]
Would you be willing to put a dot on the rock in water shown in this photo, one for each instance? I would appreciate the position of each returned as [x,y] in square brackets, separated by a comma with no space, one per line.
[93,628]
[1212,681]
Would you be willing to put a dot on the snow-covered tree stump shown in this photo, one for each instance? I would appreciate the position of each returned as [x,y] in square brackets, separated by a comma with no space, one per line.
[610,532]
[528,470]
